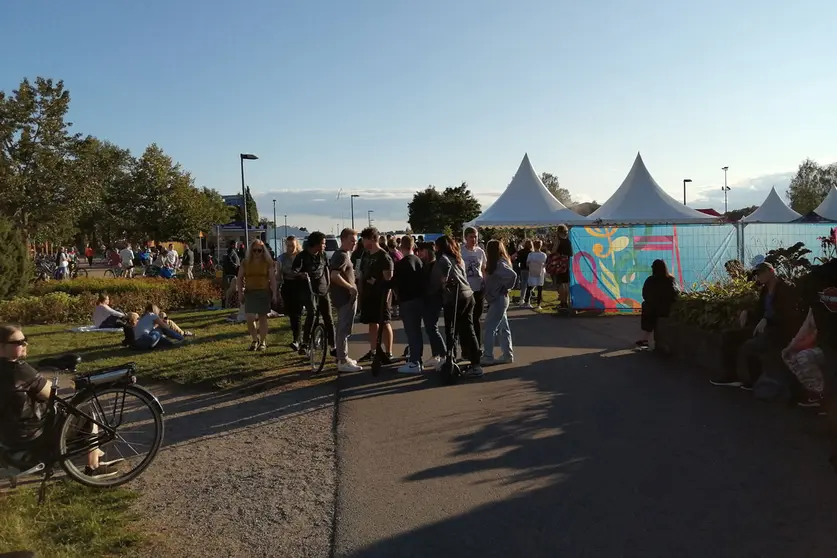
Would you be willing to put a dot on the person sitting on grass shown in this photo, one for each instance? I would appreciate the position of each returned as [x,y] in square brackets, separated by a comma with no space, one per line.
[658,295]
[24,393]
[105,317]
[154,329]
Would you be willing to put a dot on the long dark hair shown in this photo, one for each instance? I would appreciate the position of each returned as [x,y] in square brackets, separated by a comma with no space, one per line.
[659,269]
[495,251]
[446,246]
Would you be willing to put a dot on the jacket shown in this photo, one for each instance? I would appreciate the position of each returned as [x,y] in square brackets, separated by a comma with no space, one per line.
[447,276]
[786,319]
[499,283]
[658,294]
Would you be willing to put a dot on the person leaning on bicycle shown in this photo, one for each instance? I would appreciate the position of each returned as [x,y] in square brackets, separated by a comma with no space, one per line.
[24,393]
[313,264]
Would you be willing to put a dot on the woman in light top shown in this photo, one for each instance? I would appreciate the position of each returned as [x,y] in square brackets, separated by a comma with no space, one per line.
[293,288]
[257,287]
[536,262]
[105,317]
[500,278]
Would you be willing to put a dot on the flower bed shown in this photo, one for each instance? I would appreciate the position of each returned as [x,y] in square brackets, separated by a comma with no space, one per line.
[59,302]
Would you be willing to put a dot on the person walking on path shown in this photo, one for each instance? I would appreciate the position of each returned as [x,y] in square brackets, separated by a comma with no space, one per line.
[344,296]
[256,287]
[312,264]
[500,279]
[449,277]
[410,286]
[475,261]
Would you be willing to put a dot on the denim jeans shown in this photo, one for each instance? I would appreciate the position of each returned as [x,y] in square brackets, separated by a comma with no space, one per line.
[157,336]
[497,324]
[411,315]
[345,321]
[430,315]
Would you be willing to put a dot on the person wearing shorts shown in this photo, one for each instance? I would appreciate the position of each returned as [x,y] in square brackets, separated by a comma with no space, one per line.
[375,307]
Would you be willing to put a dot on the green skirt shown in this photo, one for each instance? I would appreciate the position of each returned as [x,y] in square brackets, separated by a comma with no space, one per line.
[257,302]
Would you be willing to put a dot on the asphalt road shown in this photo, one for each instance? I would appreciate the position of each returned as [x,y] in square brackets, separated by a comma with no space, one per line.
[580,449]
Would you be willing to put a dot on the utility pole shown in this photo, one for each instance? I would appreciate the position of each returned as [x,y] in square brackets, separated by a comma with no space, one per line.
[685,180]
[726,189]
[275,246]
[352,198]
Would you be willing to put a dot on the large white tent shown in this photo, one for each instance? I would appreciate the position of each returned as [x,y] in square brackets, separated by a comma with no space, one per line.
[773,210]
[527,203]
[828,208]
[640,200]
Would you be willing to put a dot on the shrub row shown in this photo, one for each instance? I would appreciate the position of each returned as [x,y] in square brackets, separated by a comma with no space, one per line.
[716,306]
[67,303]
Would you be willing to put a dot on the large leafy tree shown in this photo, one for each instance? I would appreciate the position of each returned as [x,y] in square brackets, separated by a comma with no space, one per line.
[252,210]
[811,185]
[459,206]
[15,263]
[423,212]
[554,186]
[38,183]
[434,211]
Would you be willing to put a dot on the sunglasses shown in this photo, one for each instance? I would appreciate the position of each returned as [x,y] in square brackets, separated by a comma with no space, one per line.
[19,342]
[258,251]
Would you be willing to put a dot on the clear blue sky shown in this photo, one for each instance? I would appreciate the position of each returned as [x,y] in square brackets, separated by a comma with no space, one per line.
[395,95]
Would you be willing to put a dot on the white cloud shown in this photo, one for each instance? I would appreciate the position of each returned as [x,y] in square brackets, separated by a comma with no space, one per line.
[744,193]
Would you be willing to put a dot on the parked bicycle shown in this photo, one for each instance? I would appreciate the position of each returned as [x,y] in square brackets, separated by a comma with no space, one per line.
[105,414]
[76,271]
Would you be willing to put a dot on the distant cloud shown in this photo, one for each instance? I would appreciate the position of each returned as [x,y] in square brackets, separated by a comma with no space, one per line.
[744,193]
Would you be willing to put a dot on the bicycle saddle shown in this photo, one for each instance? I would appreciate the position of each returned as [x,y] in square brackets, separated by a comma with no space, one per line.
[63,362]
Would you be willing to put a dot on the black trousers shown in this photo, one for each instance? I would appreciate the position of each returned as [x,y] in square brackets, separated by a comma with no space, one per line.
[292,298]
[321,304]
[479,306]
[464,329]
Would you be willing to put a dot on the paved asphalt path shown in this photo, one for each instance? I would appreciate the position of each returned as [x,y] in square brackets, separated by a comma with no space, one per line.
[582,448]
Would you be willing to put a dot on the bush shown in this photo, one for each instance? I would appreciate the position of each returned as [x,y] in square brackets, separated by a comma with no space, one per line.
[73,301]
[716,306]
[15,263]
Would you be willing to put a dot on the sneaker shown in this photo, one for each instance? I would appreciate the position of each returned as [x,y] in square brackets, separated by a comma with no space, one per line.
[188,334]
[724,383]
[108,469]
[253,346]
[487,361]
[527,306]
[504,360]
[433,363]
[352,361]
[410,368]
[303,349]
[295,346]
[348,366]
[262,347]
[746,387]
[641,344]
[475,371]
[386,358]
[810,401]
[367,357]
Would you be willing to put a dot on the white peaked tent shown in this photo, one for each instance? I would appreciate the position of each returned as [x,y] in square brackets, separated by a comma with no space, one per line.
[640,200]
[828,208]
[527,203]
[773,210]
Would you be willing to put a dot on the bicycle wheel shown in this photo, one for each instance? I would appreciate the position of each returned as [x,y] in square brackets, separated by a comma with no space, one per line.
[109,274]
[81,273]
[126,410]
[318,349]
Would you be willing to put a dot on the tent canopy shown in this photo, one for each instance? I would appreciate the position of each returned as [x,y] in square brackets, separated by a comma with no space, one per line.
[773,210]
[828,208]
[640,200]
[527,203]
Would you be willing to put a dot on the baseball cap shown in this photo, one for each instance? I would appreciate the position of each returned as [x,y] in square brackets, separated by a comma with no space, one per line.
[762,267]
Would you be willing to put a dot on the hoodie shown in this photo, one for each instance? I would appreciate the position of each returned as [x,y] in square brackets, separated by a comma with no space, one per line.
[446,268]
[499,283]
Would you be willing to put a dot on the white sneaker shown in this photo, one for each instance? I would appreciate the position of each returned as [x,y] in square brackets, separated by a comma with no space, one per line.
[410,368]
[351,361]
[487,360]
[433,362]
[527,306]
[349,367]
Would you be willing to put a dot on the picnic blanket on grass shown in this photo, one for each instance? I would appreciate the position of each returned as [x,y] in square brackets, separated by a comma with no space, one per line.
[94,329]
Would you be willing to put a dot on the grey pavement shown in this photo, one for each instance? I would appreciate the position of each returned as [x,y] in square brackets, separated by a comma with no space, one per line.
[581,448]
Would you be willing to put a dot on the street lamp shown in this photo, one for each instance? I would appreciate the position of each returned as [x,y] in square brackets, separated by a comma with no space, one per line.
[725,188]
[249,157]
[275,246]
[352,198]
[286,227]
[685,180]
[369,213]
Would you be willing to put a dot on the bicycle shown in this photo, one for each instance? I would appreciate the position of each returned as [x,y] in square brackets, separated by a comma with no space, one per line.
[114,272]
[76,271]
[317,349]
[78,425]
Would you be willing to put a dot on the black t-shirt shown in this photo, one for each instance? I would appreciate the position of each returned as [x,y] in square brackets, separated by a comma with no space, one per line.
[565,247]
[316,266]
[409,278]
[21,413]
[522,258]
[374,267]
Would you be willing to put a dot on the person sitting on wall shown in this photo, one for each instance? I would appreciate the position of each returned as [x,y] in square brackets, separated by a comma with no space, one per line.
[658,295]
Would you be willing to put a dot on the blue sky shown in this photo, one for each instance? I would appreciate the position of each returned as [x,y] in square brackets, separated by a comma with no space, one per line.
[386,97]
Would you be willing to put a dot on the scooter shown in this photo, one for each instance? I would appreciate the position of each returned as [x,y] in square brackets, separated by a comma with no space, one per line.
[450,373]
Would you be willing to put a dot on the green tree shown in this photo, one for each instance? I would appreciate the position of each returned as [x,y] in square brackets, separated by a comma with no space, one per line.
[432,211]
[424,211]
[15,263]
[737,214]
[459,206]
[252,211]
[38,187]
[554,187]
[811,185]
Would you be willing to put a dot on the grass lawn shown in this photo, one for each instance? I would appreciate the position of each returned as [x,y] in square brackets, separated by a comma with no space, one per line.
[74,521]
[217,354]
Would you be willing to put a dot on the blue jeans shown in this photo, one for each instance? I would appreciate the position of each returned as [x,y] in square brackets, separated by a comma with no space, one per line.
[157,336]
[411,315]
[430,315]
[497,324]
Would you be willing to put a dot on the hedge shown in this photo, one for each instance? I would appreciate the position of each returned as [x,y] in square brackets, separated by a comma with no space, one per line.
[73,301]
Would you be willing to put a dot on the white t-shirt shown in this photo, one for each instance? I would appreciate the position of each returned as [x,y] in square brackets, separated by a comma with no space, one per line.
[127,256]
[63,260]
[171,258]
[145,325]
[537,268]
[474,261]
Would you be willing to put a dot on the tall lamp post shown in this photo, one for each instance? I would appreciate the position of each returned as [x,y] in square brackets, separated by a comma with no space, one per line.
[685,180]
[726,189]
[286,227]
[275,246]
[248,157]
[352,198]
[369,213]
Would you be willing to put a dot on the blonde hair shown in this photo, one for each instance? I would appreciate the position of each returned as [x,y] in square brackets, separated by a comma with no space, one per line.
[255,244]
[297,248]
[133,318]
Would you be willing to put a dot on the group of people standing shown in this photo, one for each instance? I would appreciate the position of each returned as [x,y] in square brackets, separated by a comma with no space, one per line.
[365,278]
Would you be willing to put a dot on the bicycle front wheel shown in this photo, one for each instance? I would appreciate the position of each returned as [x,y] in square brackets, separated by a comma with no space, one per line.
[81,272]
[109,274]
[318,350]
[138,424]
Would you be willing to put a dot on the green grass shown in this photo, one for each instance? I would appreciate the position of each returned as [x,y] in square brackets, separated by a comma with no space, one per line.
[217,354]
[550,299]
[74,521]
